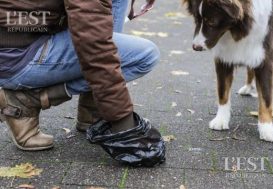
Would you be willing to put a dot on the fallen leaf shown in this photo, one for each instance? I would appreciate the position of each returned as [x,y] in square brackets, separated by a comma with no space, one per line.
[169,138]
[149,34]
[69,117]
[70,136]
[235,134]
[255,114]
[179,72]
[235,137]
[191,111]
[141,33]
[22,171]
[94,188]
[67,131]
[218,139]
[234,168]
[197,150]
[56,187]
[182,187]
[177,23]
[176,53]
[179,114]
[177,91]
[174,104]
[162,34]
[26,186]
[175,15]
[139,105]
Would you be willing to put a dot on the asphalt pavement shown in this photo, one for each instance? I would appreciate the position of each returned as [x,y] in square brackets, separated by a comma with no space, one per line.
[179,97]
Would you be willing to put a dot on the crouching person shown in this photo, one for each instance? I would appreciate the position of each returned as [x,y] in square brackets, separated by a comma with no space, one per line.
[75,54]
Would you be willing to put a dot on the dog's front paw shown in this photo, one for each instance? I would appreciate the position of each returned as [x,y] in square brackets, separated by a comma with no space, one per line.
[266,131]
[248,90]
[219,123]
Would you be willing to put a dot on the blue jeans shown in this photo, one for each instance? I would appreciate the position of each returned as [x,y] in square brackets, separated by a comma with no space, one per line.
[61,65]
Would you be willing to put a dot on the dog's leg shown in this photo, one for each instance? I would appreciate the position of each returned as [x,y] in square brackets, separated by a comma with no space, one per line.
[249,89]
[264,87]
[224,81]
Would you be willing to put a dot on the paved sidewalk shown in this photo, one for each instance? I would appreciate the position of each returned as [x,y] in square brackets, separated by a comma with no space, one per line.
[179,97]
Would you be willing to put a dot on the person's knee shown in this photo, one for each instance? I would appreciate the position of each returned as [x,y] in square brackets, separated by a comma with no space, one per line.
[151,57]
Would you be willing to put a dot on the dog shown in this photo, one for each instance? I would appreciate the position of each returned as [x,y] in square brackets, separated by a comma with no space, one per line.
[238,33]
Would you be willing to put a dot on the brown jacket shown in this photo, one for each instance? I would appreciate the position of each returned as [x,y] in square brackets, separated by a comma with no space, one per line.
[91,26]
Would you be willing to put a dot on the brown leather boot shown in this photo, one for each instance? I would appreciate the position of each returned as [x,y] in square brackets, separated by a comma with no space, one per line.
[21,109]
[87,112]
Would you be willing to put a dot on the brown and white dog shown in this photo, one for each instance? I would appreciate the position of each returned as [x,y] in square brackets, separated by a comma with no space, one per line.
[238,32]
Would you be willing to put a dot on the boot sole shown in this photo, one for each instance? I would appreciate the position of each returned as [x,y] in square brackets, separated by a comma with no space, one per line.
[28,149]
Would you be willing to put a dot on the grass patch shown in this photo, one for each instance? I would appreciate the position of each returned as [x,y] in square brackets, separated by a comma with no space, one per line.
[268,165]
[124,177]
[163,130]
[213,157]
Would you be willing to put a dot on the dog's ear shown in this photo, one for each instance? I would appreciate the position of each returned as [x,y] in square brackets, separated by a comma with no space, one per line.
[192,5]
[233,8]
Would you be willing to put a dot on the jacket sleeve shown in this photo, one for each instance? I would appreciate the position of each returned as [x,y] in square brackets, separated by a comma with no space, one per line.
[91,27]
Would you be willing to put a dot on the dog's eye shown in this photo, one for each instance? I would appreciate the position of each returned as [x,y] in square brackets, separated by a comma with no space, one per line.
[209,22]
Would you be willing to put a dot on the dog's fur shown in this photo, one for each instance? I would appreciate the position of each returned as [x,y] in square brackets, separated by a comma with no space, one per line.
[238,32]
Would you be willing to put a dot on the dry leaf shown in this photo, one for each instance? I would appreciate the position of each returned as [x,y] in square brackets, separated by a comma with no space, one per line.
[255,114]
[191,111]
[150,34]
[56,187]
[235,137]
[139,105]
[69,117]
[140,33]
[218,139]
[70,136]
[176,53]
[179,72]
[234,168]
[182,187]
[177,91]
[175,15]
[94,188]
[169,138]
[174,104]
[67,131]
[177,23]
[162,34]
[22,171]
[26,186]
[179,114]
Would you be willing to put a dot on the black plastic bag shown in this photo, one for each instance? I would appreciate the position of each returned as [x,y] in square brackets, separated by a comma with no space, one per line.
[140,146]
